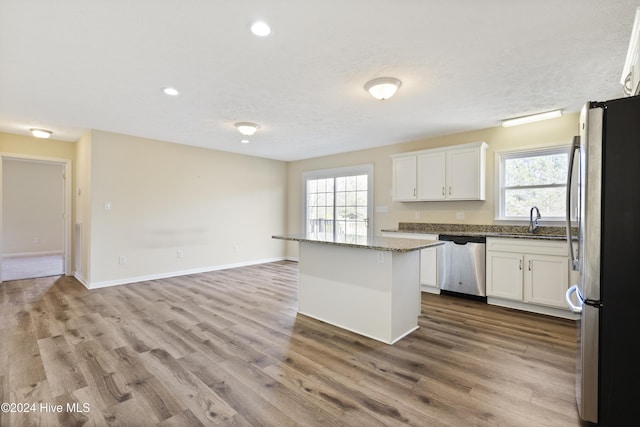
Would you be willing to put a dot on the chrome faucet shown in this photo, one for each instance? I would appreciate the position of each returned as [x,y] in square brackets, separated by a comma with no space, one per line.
[533,222]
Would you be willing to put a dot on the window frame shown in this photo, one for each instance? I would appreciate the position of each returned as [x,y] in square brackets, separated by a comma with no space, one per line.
[365,169]
[501,157]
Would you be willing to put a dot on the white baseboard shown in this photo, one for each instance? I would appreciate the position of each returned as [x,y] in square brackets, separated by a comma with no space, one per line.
[80,279]
[128,280]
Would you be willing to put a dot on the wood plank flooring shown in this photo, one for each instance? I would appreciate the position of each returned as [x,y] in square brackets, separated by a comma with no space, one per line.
[228,348]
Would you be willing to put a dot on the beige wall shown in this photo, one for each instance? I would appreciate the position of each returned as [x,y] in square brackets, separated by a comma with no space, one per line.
[82,194]
[218,209]
[32,207]
[548,133]
[30,146]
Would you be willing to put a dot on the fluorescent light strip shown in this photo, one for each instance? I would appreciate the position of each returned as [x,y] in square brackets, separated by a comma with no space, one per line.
[532,118]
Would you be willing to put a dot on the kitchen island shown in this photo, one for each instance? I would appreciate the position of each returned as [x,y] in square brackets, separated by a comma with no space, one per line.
[367,285]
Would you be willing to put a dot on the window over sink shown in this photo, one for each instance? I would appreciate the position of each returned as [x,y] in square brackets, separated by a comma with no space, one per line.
[530,178]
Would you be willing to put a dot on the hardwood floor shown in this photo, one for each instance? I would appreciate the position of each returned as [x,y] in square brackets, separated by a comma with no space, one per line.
[227,348]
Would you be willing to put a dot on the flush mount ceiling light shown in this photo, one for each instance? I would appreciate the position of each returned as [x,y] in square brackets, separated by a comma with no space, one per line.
[246,128]
[383,87]
[41,133]
[171,91]
[260,29]
[244,141]
[532,118]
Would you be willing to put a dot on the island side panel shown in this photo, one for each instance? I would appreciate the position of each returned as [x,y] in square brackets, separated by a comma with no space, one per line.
[352,288]
[406,294]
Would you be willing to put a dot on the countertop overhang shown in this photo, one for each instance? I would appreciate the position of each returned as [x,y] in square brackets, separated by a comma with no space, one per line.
[363,242]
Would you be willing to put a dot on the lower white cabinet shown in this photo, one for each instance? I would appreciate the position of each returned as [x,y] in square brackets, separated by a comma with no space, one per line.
[428,260]
[528,274]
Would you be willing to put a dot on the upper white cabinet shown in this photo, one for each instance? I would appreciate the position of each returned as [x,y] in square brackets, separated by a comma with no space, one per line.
[432,175]
[447,173]
[404,178]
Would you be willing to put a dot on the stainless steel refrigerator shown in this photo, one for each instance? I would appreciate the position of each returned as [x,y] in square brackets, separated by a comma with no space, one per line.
[607,158]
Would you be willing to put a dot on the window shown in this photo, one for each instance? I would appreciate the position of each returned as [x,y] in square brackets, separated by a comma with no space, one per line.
[339,201]
[533,178]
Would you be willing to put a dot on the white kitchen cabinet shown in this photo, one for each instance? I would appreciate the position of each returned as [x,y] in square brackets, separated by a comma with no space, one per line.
[546,280]
[504,275]
[446,173]
[528,274]
[432,175]
[466,173]
[428,260]
[404,178]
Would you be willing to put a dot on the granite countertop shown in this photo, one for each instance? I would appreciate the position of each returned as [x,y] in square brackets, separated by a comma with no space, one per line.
[363,242]
[508,231]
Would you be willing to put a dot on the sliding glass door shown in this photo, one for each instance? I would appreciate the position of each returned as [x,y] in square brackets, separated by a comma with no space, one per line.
[339,201]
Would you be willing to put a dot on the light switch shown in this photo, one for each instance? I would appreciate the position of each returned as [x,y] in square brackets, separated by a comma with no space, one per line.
[107,206]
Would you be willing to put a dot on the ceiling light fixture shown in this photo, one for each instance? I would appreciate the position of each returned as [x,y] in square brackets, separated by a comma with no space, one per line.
[383,87]
[532,118]
[260,29]
[41,133]
[244,141]
[171,91]
[246,128]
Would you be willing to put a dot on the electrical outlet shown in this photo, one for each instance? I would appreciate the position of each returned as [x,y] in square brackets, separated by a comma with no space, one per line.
[36,240]
[381,257]
[179,254]
[459,215]
[417,214]
[122,260]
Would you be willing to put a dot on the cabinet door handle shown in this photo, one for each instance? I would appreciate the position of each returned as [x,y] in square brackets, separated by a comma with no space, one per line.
[443,190]
[520,266]
[449,190]
[414,192]
[529,265]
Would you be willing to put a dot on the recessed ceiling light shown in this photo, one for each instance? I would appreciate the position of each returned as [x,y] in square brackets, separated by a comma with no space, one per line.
[260,29]
[532,118]
[244,141]
[171,91]
[41,133]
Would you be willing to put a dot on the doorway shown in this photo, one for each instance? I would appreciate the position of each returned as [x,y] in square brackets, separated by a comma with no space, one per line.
[35,217]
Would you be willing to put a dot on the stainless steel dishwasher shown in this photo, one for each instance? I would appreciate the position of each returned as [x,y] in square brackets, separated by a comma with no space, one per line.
[461,265]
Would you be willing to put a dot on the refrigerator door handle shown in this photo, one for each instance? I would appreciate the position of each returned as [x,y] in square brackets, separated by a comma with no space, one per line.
[573,290]
[573,258]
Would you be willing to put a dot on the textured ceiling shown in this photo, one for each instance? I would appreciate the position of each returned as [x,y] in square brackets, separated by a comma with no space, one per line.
[74,65]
